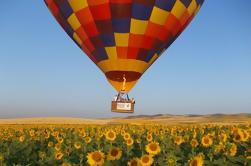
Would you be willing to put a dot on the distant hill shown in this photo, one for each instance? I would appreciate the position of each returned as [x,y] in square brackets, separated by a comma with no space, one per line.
[218,115]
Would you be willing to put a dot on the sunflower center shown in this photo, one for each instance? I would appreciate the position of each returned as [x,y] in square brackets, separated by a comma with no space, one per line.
[114,152]
[195,163]
[134,163]
[97,156]
[110,134]
[153,147]
[145,159]
[237,137]
[206,140]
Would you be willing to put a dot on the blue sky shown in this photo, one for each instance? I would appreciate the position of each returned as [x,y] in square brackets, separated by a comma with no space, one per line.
[43,73]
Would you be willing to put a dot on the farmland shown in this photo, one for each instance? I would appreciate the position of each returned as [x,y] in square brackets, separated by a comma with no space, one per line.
[141,140]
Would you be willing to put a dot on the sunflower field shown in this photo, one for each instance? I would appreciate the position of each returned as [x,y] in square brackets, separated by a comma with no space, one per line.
[121,145]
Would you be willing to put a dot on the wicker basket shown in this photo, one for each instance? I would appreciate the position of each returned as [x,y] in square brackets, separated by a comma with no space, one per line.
[123,106]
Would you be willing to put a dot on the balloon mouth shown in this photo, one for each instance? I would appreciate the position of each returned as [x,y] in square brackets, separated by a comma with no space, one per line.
[119,76]
[123,80]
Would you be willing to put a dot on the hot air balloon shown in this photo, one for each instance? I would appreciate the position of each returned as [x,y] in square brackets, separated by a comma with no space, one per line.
[123,37]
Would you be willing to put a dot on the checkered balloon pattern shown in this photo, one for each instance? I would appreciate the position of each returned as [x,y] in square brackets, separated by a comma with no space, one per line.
[124,37]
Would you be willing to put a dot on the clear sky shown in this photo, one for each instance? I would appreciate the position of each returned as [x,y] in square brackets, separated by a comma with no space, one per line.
[43,73]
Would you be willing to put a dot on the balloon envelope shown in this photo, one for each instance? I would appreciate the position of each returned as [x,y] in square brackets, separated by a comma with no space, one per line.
[123,37]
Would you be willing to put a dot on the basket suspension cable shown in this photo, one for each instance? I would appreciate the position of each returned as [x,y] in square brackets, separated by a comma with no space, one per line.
[122,102]
[127,96]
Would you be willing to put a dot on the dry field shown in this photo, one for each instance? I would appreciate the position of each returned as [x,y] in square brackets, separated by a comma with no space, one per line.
[140,119]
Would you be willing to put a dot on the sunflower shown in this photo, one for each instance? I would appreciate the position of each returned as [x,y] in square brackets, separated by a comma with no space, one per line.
[67,150]
[66,164]
[95,158]
[21,138]
[122,132]
[149,137]
[171,160]
[50,144]
[194,143]
[77,145]
[60,140]
[179,140]
[173,131]
[100,135]
[134,162]
[88,140]
[232,150]
[58,155]
[110,135]
[211,135]
[32,133]
[245,135]
[238,136]
[55,133]
[196,161]
[126,136]
[138,141]
[194,134]
[153,148]
[83,134]
[223,137]
[206,141]
[41,155]
[47,135]
[114,154]
[129,142]
[218,148]
[146,160]
[57,147]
